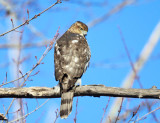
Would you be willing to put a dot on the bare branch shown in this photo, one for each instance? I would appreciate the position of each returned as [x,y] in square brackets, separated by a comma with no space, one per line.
[114,10]
[37,64]
[105,110]
[27,45]
[34,17]
[29,113]
[86,90]
[119,111]
[138,65]
[148,114]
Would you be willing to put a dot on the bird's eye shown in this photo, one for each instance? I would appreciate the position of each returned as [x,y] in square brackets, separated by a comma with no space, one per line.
[81,28]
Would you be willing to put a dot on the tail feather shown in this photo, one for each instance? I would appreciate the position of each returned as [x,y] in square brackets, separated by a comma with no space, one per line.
[66,104]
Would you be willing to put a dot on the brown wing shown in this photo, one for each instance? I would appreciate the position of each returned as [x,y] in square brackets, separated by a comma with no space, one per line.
[71,56]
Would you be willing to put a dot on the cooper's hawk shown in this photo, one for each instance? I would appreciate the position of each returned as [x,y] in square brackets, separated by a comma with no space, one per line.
[71,59]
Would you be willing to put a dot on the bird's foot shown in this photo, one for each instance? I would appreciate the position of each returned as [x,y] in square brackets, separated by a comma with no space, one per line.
[78,83]
[56,88]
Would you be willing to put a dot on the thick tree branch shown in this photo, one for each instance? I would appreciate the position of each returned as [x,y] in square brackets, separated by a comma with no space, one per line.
[86,90]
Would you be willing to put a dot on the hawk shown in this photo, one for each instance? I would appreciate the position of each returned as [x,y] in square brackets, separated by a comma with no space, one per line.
[71,59]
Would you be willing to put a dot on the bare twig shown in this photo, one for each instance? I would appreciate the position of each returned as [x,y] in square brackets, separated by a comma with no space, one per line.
[75,118]
[129,58]
[87,3]
[29,72]
[147,114]
[134,109]
[27,21]
[9,108]
[120,108]
[38,63]
[105,110]
[134,113]
[27,45]
[116,9]
[57,115]
[15,79]
[143,57]
[133,68]
[149,109]
[30,112]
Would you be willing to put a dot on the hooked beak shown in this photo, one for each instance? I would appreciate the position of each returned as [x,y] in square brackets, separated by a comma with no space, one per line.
[84,33]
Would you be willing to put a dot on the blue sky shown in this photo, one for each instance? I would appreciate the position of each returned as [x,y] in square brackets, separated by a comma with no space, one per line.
[109,64]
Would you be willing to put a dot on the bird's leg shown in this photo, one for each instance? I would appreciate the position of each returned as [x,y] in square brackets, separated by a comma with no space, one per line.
[79,82]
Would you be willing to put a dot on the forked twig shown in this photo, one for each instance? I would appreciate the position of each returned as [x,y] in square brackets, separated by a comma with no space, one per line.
[27,21]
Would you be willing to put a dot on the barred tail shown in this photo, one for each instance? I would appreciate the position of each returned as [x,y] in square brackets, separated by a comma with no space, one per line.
[66,104]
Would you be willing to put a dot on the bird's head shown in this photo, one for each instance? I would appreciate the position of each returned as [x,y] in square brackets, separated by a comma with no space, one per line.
[79,28]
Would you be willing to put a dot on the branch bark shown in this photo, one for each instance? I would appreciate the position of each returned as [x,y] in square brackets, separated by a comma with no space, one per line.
[86,90]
